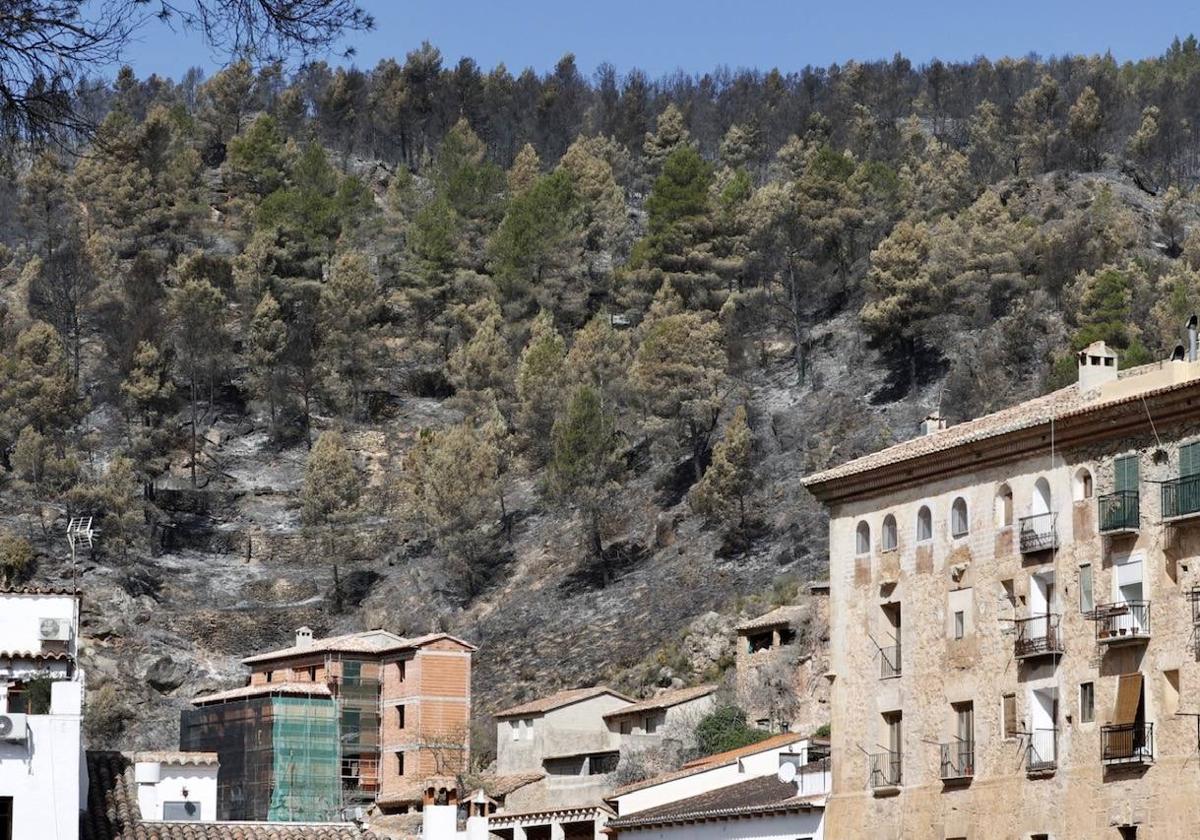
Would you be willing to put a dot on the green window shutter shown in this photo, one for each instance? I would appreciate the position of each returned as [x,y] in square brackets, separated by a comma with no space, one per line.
[1189,459]
[1126,473]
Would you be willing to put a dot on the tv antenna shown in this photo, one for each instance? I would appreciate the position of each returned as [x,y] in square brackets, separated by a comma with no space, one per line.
[79,531]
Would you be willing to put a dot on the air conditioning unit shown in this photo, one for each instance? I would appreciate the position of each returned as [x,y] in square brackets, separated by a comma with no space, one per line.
[13,728]
[54,630]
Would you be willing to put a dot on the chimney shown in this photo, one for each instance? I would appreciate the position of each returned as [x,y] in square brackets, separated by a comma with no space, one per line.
[1097,365]
[933,422]
[1191,342]
[304,637]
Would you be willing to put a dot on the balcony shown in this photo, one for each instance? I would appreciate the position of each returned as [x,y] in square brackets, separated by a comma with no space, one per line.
[1181,497]
[889,661]
[1129,744]
[958,761]
[1120,512]
[1038,533]
[1041,754]
[1122,623]
[1038,636]
[885,771]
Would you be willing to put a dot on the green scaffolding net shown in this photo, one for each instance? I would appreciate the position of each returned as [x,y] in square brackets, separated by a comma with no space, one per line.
[306,760]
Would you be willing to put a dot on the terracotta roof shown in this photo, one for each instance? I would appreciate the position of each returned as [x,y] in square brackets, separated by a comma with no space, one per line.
[176,757]
[708,762]
[414,791]
[665,700]
[501,817]
[36,590]
[370,641]
[775,618]
[558,700]
[764,795]
[1063,403]
[500,786]
[307,689]
[35,654]
[113,814]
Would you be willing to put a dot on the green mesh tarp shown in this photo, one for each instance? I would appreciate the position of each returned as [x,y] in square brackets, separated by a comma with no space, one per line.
[304,735]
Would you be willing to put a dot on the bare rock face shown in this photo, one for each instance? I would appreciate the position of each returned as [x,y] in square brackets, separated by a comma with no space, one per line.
[165,674]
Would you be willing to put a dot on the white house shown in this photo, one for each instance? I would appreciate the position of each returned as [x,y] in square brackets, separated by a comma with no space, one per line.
[176,786]
[772,790]
[43,775]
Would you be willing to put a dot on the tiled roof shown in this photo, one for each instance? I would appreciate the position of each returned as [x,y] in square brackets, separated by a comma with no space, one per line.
[306,689]
[558,700]
[764,795]
[36,590]
[177,757]
[1063,403]
[52,655]
[370,641]
[501,786]
[775,618]
[708,762]
[413,791]
[113,814]
[665,700]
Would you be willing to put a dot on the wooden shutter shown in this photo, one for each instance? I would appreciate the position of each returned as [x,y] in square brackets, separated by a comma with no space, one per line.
[1010,715]
[1189,459]
[1126,472]
[1129,697]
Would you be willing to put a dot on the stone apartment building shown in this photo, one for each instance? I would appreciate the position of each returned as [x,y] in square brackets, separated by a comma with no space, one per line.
[328,727]
[1014,612]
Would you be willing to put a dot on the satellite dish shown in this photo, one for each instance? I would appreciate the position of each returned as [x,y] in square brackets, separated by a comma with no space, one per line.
[787,773]
[6,726]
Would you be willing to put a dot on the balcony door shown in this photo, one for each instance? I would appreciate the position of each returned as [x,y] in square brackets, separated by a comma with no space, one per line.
[1042,598]
[1043,722]
[1127,581]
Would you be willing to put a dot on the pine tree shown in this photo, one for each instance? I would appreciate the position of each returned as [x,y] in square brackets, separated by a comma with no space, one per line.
[599,358]
[670,134]
[481,369]
[901,296]
[525,171]
[722,494]
[540,379]
[350,339]
[1085,121]
[266,352]
[332,487]
[197,310]
[36,387]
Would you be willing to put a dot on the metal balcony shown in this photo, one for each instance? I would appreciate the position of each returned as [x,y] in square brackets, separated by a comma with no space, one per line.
[1120,512]
[1041,754]
[1127,744]
[1122,622]
[958,761]
[885,770]
[1038,635]
[1038,533]
[1181,497]
[889,661]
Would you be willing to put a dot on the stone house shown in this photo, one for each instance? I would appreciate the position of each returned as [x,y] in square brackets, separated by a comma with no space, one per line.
[1014,612]
[665,720]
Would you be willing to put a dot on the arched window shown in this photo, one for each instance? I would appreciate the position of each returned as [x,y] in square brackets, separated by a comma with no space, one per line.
[960,526]
[890,538]
[1041,497]
[924,524]
[1083,484]
[1004,506]
[862,538]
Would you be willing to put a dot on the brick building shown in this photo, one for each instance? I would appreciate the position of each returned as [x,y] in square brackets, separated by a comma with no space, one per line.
[330,726]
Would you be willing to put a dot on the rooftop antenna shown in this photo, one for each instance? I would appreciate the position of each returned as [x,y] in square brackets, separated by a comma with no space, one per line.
[79,530]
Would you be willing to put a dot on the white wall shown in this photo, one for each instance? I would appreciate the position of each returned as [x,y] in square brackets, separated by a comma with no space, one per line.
[163,782]
[21,614]
[782,827]
[46,777]
[576,727]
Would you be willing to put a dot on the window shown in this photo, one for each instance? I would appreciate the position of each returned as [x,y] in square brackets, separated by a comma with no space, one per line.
[960,623]
[1128,832]
[759,641]
[270,675]
[352,672]
[890,539]
[895,741]
[1083,484]
[399,764]
[1087,602]
[862,538]
[400,670]
[516,729]
[1008,716]
[6,818]
[312,673]
[1125,474]
[651,724]
[1004,506]
[1087,702]
[959,525]
[1189,459]
[964,722]
[175,811]
[351,726]
[626,727]
[529,730]
[602,763]
[924,524]
[400,716]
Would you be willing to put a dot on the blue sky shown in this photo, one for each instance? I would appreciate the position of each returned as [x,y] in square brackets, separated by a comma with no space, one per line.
[661,36]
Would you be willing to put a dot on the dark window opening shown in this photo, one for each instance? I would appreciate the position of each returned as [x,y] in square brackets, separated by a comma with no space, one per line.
[399,764]
[760,641]
[400,716]
[786,636]
[6,818]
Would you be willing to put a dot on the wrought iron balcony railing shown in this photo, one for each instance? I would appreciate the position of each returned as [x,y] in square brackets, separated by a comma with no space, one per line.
[1038,533]
[958,760]
[1124,621]
[1041,754]
[889,661]
[1038,635]
[1120,512]
[1128,743]
[1181,497]
[885,769]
